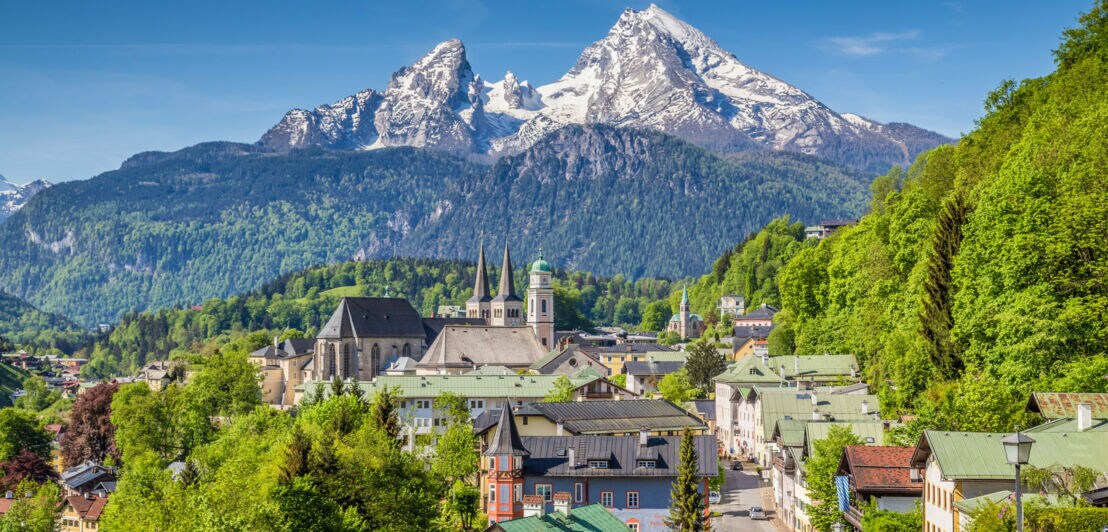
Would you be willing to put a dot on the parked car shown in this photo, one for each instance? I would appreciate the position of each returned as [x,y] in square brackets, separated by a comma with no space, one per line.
[736,465]
[714,497]
[756,512]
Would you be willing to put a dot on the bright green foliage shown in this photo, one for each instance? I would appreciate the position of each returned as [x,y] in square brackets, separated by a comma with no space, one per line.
[19,429]
[561,392]
[703,364]
[619,380]
[386,405]
[39,513]
[654,316]
[877,520]
[686,511]
[37,396]
[824,510]
[677,388]
[1039,518]
[456,453]
[981,272]
[21,323]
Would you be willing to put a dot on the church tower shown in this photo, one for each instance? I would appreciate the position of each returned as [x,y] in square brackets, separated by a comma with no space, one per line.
[479,305]
[540,302]
[507,307]
[683,325]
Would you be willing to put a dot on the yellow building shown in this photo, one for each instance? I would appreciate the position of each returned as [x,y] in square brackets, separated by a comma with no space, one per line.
[82,512]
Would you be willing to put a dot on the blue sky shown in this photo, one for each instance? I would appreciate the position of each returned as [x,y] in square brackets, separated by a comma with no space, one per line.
[84,85]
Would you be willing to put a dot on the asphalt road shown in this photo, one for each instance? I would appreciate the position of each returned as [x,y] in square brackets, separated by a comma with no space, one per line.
[740,492]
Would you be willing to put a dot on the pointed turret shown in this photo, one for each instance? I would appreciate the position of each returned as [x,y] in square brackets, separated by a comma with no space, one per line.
[481,285]
[685,296]
[507,289]
[505,441]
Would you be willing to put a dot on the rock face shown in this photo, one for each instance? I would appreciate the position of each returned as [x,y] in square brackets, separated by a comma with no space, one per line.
[651,71]
[13,196]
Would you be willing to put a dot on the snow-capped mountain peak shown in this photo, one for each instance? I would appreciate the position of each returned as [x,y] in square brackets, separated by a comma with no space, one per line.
[13,196]
[652,70]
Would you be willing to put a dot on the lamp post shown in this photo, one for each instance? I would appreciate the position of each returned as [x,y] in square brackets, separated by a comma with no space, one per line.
[1017,449]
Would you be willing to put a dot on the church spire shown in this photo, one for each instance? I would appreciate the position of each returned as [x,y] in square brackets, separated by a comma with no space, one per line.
[481,285]
[685,295]
[507,289]
[506,440]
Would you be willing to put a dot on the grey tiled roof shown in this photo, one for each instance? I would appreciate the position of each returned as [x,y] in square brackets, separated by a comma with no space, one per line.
[584,417]
[369,317]
[652,368]
[433,326]
[552,455]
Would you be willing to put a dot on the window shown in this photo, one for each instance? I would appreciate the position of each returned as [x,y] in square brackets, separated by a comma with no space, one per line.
[519,492]
[346,361]
[633,526]
[475,404]
[544,490]
[524,419]
[544,306]
[632,499]
[647,464]
[607,499]
[375,359]
[578,492]
[598,464]
[423,403]
[492,463]
[492,492]
[407,350]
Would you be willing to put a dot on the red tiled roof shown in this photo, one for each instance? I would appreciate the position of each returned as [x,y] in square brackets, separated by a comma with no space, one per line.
[880,469]
[5,504]
[88,508]
[1063,405]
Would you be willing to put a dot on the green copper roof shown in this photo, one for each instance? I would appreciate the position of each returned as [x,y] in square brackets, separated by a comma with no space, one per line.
[505,386]
[685,294]
[749,369]
[980,455]
[591,518]
[540,266]
[864,430]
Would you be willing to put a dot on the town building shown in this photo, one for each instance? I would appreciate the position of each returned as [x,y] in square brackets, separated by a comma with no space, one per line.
[685,323]
[762,316]
[540,302]
[631,476]
[1054,406]
[811,371]
[86,478]
[749,340]
[81,513]
[731,388]
[731,305]
[826,228]
[462,348]
[364,336]
[614,357]
[643,377]
[567,360]
[881,474]
[283,367]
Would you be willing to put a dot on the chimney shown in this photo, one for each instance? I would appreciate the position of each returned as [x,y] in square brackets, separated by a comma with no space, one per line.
[796,364]
[534,505]
[275,344]
[865,407]
[765,358]
[815,398]
[572,455]
[560,429]
[1084,416]
[644,435]
[815,414]
[782,371]
[562,502]
[8,494]
[853,371]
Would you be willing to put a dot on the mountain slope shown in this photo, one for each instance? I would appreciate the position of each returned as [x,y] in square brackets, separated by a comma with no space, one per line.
[652,71]
[221,218]
[21,322]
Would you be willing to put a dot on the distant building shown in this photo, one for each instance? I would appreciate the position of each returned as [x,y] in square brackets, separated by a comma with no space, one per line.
[84,478]
[569,360]
[462,348]
[882,474]
[81,513]
[826,228]
[643,377]
[364,336]
[283,367]
[595,418]
[759,317]
[685,323]
[731,305]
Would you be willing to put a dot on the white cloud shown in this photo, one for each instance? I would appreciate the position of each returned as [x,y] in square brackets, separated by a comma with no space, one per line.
[872,44]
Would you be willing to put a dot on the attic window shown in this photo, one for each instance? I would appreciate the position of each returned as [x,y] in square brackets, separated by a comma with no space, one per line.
[647,464]
[561,452]
[598,464]
[753,371]
[869,439]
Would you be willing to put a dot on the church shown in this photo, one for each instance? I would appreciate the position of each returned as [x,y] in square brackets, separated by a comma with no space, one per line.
[370,336]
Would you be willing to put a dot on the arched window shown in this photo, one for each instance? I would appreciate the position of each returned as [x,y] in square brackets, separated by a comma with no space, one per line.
[544,306]
[407,350]
[330,362]
[346,361]
[375,359]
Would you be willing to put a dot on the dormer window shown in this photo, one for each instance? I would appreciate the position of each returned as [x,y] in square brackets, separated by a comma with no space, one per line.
[598,464]
[647,464]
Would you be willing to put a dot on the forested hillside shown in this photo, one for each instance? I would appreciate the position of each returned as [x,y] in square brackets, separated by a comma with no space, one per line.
[218,219]
[981,272]
[22,323]
[301,302]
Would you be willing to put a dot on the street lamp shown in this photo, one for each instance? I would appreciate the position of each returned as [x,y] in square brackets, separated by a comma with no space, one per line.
[1017,449]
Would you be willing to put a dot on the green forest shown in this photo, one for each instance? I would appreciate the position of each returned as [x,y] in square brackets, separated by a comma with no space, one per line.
[220,219]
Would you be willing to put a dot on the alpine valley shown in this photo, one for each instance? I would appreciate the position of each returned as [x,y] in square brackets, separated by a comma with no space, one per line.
[656,152]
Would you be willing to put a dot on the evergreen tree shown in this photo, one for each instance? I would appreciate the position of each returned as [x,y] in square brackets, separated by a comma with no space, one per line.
[385,413]
[936,318]
[686,510]
[703,364]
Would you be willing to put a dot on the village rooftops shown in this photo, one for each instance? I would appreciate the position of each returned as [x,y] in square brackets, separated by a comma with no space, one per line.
[881,470]
[590,518]
[373,317]
[763,312]
[815,367]
[653,367]
[606,417]
[749,370]
[468,346]
[870,432]
[623,456]
[788,403]
[1062,405]
[88,507]
[485,386]
[980,455]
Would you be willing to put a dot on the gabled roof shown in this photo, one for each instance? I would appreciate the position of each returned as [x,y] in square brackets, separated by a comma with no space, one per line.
[433,326]
[742,333]
[749,370]
[877,470]
[606,417]
[980,455]
[466,346]
[790,432]
[1060,405]
[551,456]
[652,367]
[554,359]
[505,441]
[706,408]
[591,518]
[88,507]
[298,346]
[870,432]
[373,317]
[815,367]
[789,403]
[763,312]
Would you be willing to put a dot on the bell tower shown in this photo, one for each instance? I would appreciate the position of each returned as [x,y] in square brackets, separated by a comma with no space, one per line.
[540,302]
[478,305]
[506,307]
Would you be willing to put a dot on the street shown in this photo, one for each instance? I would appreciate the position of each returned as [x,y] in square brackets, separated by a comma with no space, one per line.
[740,492]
